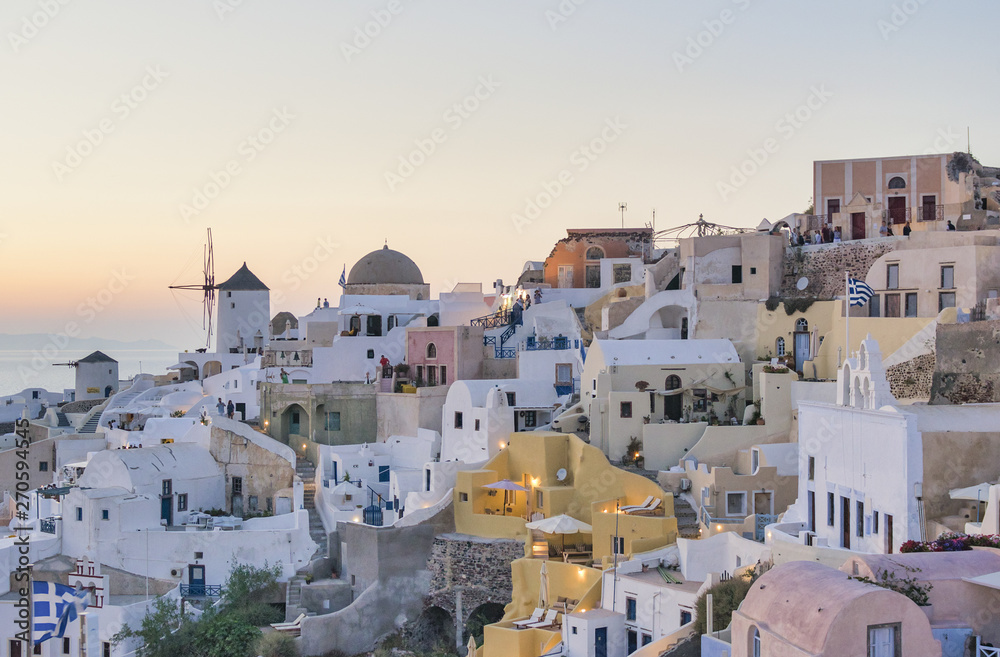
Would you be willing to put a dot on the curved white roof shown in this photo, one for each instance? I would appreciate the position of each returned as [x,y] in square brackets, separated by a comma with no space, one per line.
[133,469]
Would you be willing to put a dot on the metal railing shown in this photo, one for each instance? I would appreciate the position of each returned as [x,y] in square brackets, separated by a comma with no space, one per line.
[492,321]
[48,525]
[709,520]
[542,344]
[201,590]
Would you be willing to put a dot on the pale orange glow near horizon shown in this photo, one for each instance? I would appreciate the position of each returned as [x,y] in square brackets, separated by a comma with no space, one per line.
[121,118]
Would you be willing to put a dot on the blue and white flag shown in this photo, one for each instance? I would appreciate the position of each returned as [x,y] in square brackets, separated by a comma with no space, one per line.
[54,607]
[858,292]
[343,277]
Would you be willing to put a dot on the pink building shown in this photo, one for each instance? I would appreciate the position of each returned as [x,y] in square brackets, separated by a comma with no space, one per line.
[439,355]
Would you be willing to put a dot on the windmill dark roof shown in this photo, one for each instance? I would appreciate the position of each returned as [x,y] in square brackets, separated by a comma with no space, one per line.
[243,279]
[97,357]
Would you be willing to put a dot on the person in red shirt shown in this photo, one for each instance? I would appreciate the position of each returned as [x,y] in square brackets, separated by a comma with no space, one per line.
[384,362]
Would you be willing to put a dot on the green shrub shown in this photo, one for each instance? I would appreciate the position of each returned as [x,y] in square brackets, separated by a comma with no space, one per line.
[276,644]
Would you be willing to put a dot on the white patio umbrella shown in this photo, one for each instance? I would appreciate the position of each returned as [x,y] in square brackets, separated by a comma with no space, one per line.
[543,587]
[505,485]
[562,525]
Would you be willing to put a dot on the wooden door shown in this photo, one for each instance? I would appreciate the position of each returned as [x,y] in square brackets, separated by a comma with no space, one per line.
[832,208]
[845,521]
[929,204]
[897,209]
[565,276]
[888,534]
[857,225]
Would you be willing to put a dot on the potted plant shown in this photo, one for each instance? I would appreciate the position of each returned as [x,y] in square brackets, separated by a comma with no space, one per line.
[641,385]
[402,369]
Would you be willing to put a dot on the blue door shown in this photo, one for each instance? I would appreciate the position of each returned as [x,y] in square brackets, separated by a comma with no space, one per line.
[601,642]
[167,509]
[196,580]
[293,426]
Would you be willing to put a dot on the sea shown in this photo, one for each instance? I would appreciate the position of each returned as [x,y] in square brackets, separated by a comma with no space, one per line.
[20,369]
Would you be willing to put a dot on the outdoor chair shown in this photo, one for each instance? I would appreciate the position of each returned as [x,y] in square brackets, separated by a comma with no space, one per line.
[649,510]
[534,618]
[548,621]
[635,507]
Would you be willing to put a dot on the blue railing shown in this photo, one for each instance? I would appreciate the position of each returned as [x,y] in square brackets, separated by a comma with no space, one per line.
[48,525]
[506,352]
[492,321]
[557,343]
[201,590]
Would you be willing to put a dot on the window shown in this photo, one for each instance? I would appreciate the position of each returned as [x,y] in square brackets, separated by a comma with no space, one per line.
[564,374]
[420,374]
[237,485]
[892,305]
[106,649]
[700,399]
[232,305]
[34,394]
[295,417]
[477,424]
[595,253]
[830,506]
[573,629]
[686,617]
[755,643]
[946,300]
[892,276]
[859,520]
[252,502]
[874,522]
[736,504]
[432,375]
[79,514]
[593,276]
[883,640]
[168,487]
[383,474]
[617,545]
[105,514]
[530,419]
[463,497]
[539,499]
[432,350]
[444,375]
[646,639]
[812,468]
[458,420]
[623,273]
[948,277]
[802,325]
[182,502]
[630,608]
[626,409]
[910,309]
[511,399]
[65,645]
[896,182]
[753,271]
[779,347]
[370,354]
[37,650]
[43,466]
[737,274]
[332,422]
[874,309]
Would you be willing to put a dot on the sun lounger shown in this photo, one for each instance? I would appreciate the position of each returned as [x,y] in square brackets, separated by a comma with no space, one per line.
[549,620]
[649,509]
[534,618]
[294,626]
[634,507]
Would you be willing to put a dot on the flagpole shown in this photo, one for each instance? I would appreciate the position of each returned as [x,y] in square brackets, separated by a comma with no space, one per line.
[847,314]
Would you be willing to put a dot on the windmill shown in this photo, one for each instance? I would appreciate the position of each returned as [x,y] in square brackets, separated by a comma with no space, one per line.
[208,287]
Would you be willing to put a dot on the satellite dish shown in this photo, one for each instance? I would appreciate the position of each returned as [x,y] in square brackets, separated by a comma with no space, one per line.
[561,474]
[802,283]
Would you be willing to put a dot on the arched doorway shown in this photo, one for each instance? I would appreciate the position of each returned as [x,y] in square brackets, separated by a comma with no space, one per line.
[434,628]
[673,404]
[211,368]
[483,615]
[294,423]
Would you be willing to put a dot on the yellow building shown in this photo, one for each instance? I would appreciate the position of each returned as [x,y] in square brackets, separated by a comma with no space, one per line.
[558,474]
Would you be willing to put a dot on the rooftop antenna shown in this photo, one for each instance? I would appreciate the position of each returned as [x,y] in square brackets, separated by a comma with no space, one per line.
[622,207]
[208,287]
[968,139]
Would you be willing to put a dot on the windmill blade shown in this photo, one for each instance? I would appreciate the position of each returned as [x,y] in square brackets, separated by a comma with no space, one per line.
[209,286]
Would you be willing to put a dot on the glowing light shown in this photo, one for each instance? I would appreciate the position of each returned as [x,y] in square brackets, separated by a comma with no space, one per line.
[503,445]
[536,481]
[580,570]
[303,445]
[605,510]
[718,528]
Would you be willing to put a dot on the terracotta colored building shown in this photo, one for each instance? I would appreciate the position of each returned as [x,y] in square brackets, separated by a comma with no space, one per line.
[439,355]
[575,261]
[926,190]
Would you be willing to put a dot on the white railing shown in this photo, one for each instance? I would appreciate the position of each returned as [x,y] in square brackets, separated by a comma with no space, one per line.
[985,651]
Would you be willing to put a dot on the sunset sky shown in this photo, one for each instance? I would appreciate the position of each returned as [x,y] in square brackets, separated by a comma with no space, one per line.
[119,115]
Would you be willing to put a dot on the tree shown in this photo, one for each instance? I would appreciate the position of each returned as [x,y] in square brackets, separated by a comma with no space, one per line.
[726,598]
[164,631]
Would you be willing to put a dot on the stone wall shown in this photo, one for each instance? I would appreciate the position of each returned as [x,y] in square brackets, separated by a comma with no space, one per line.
[968,363]
[912,379]
[480,566]
[824,266]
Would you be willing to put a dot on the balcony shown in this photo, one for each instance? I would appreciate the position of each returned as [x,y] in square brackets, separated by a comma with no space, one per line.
[48,525]
[201,590]
[557,343]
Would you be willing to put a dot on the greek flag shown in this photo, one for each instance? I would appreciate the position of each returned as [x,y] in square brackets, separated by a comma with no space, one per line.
[858,292]
[54,607]
[343,278]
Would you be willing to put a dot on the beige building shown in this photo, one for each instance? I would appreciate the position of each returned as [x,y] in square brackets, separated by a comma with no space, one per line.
[927,273]
[927,190]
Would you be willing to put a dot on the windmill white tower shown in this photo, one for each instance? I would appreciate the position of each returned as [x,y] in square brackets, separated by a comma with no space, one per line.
[244,313]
